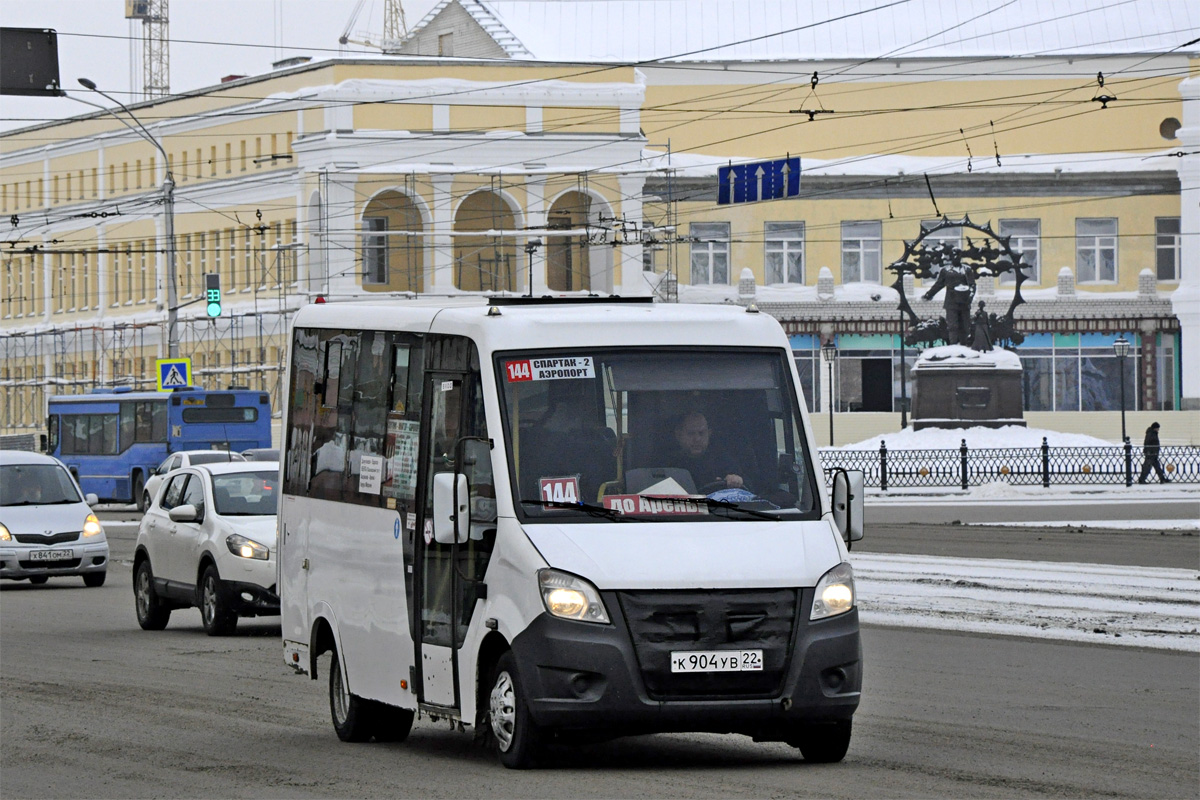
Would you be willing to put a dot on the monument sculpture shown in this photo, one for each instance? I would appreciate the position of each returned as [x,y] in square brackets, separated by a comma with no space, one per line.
[972,378]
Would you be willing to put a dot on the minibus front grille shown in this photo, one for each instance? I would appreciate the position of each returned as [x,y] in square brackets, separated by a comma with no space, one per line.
[663,622]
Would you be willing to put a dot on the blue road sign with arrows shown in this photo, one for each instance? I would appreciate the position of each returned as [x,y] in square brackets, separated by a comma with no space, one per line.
[762,180]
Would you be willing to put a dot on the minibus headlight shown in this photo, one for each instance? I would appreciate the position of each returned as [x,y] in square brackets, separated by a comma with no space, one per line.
[5,536]
[246,548]
[835,592]
[571,597]
[91,525]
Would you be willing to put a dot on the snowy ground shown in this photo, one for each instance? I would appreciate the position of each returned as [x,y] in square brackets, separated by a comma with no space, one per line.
[1134,606]
[977,439]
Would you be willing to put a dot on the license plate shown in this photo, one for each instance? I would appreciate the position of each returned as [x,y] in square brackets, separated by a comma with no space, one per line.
[717,661]
[51,555]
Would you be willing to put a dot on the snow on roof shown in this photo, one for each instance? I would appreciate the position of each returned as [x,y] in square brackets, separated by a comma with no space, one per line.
[631,31]
[695,165]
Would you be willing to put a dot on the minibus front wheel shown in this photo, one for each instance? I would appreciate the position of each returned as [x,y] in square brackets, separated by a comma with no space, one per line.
[518,739]
[825,743]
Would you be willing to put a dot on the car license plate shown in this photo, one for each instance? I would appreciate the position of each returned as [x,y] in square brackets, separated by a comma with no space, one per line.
[717,661]
[51,555]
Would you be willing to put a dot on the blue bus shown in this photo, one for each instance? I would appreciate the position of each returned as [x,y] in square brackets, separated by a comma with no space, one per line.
[112,439]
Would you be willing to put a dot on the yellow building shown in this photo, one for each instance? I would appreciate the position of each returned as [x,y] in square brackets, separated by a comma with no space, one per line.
[553,147]
[340,179]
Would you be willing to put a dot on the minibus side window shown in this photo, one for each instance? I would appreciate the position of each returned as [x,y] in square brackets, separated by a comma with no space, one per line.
[368,397]
[302,399]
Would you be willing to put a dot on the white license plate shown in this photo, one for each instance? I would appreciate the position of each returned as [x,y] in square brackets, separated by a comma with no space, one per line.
[51,555]
[717,661]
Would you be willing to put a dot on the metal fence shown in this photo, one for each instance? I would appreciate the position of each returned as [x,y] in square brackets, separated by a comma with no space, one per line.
[965,467]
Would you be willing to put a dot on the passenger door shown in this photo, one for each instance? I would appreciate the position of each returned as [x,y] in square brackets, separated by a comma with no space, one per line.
[158,526]
[437,637]
[452,574]
[185,536]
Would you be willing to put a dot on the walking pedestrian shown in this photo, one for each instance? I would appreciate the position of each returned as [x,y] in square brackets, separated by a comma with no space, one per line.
[1150,456]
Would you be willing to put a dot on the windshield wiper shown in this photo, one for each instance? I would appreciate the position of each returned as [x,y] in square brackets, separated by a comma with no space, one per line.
[588,508]
[712,502]
[41,503]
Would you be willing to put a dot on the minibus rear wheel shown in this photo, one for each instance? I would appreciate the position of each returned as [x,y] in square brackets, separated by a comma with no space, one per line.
[518,739]
[353,717]
[823,743]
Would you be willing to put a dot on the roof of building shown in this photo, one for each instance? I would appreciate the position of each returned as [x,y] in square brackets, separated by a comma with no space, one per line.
[639,31]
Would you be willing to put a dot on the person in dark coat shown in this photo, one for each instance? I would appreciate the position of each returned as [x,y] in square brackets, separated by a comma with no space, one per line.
[1150,456]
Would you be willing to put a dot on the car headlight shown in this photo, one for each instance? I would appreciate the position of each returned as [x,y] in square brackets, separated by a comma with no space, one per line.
[5,536]
[246,548]
[92,526]
[571,597]
[835,592]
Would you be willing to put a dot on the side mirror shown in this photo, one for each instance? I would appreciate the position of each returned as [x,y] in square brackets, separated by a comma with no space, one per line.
[450,508]
[185,513]
[91,499]
[848,496]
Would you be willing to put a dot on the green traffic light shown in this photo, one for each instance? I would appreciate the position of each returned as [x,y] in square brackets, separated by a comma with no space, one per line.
[214,309]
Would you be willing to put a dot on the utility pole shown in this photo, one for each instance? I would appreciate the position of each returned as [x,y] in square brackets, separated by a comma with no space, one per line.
[168,195]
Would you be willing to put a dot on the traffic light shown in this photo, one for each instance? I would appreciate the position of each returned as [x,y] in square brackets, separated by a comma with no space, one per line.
[212,293]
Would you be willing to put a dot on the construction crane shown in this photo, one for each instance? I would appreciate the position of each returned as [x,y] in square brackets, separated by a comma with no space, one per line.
[154,58]
[395,28]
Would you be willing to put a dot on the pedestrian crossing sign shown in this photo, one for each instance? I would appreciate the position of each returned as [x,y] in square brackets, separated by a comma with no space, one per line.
[173,373]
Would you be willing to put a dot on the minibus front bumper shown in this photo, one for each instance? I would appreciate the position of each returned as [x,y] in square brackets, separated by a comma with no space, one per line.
[580,676]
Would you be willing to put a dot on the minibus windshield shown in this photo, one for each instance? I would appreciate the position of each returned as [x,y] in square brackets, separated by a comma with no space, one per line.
[609,435]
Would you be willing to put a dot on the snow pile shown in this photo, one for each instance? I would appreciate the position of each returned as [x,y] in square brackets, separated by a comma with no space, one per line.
[1137,606]
[977,438]
[958,356]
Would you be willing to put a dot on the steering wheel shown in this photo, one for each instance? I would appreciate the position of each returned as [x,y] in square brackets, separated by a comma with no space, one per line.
[713,486]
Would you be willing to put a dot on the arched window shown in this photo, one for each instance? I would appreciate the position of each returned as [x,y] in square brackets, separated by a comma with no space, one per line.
[392,260]
[485,263]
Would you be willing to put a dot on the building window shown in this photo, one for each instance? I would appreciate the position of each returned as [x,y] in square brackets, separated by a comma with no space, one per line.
[445,44]
[375,266]
[710,252]
[1095,250]
[783,252]
[1167,247]
[861,247]
[1026,239]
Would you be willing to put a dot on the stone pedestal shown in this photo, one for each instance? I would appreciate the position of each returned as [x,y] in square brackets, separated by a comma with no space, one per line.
[956,387]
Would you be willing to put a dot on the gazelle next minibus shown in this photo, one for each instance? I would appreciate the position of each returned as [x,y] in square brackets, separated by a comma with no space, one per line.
[557,519]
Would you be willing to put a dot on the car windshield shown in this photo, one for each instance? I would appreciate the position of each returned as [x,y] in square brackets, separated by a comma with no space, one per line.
[215,457]
[36,484]
[245,494]
[609,435]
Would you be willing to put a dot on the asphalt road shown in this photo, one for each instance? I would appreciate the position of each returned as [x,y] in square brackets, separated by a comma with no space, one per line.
[94,707]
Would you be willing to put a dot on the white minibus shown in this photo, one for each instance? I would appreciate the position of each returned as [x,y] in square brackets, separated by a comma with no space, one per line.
[569,518]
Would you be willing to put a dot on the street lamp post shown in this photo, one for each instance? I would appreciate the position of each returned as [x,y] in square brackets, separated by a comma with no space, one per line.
[829,355]
[168,193]
[531,247]
[1121,348]
[903,379]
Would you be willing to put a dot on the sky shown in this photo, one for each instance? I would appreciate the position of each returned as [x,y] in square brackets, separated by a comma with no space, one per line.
[209,40]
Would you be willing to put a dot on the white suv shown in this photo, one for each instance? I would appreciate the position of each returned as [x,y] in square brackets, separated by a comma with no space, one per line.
[47,528]
[208,540]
